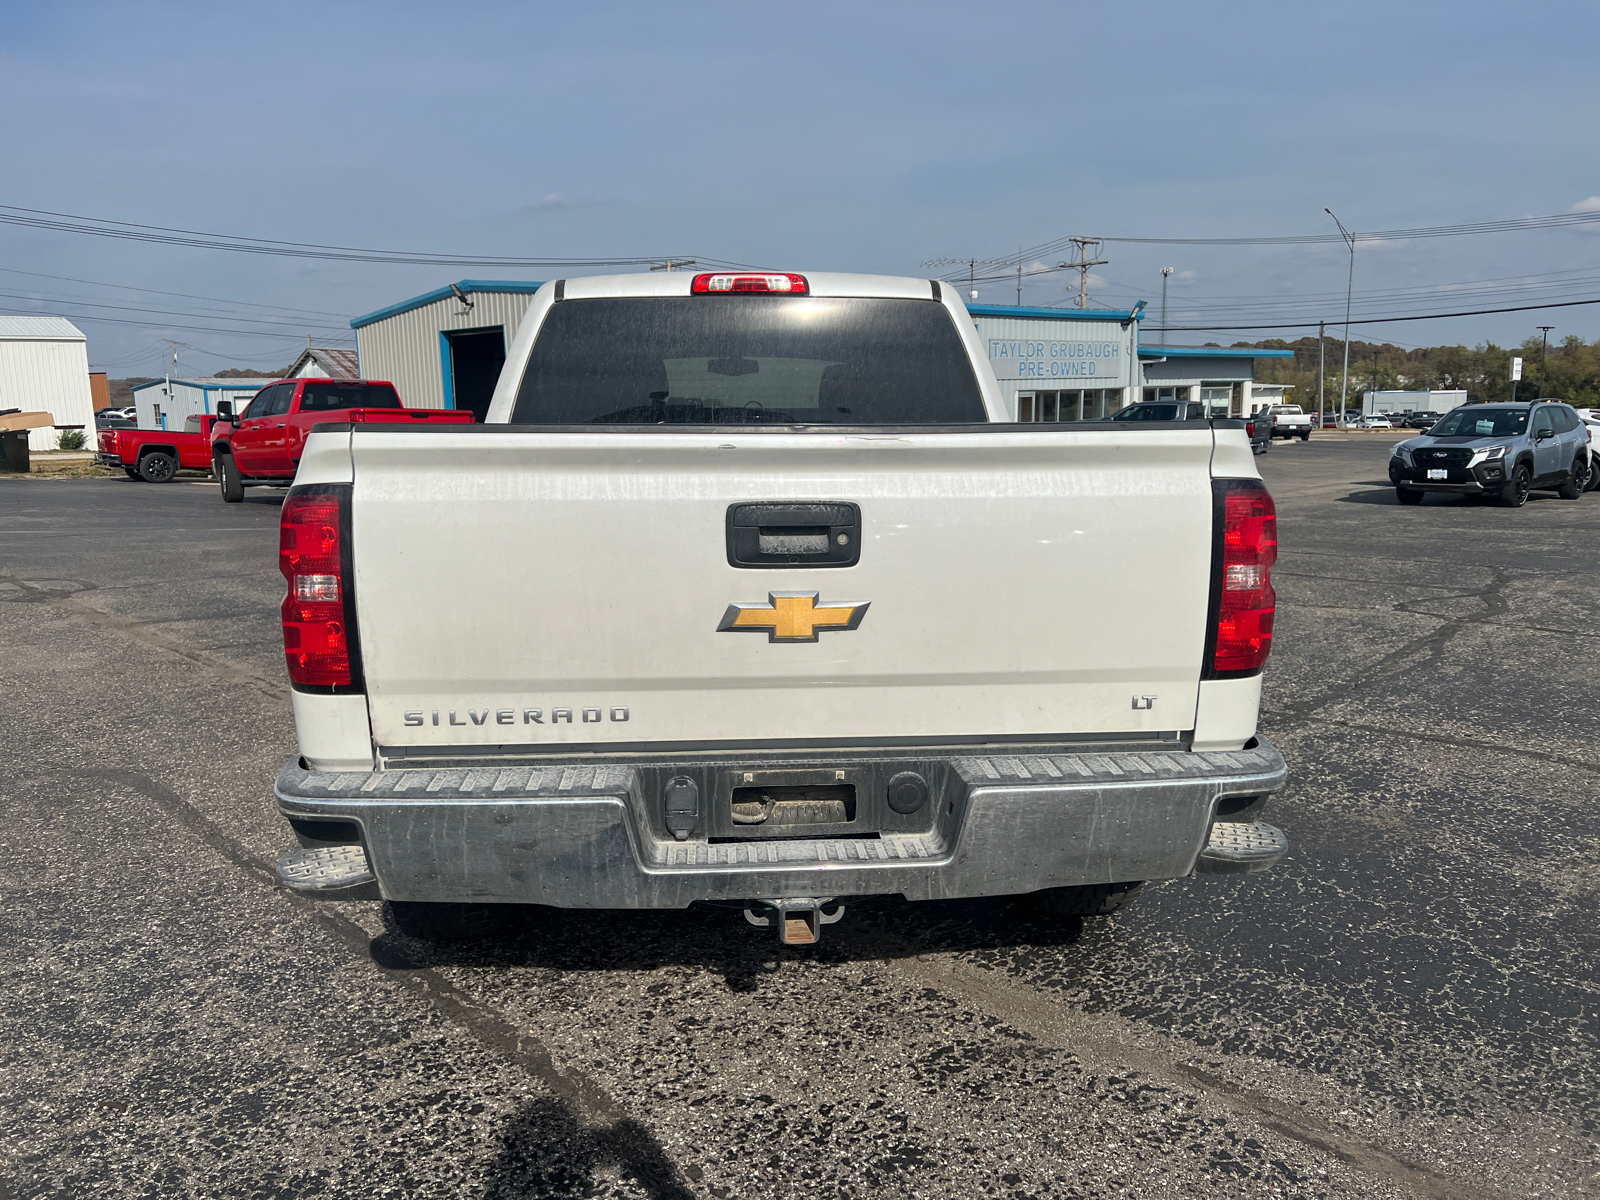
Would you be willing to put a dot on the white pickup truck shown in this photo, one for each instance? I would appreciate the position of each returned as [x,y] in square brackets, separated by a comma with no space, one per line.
[1289,420]
[750,592]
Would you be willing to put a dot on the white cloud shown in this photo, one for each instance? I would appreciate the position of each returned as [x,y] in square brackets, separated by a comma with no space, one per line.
[1592,204]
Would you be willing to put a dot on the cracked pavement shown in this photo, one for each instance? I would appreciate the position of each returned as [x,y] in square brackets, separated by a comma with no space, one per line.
[1404,1007]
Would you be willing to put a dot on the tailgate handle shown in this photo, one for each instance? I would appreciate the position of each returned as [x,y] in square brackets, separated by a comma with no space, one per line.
[785,534]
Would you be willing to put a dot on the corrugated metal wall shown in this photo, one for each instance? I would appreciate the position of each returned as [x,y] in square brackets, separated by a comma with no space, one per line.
[404,349]
[48,375]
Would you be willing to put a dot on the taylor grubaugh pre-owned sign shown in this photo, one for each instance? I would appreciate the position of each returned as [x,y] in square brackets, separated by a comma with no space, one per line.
[1084,362]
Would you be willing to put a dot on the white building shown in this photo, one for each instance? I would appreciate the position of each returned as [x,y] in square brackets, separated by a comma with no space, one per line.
[1221,379]
[166,404]
[1410,402]
[44,367]
[445,348]
[1060,364]
[322,362]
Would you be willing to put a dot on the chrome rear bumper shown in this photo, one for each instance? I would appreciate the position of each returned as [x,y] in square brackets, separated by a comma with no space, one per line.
[588,837]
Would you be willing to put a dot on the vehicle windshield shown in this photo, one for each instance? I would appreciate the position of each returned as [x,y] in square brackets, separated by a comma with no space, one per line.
[748,360]
[1148,412]
[1481,422]
[326,397]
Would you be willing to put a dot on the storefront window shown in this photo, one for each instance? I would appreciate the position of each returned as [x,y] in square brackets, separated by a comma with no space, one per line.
[1092,405]
[1217,397]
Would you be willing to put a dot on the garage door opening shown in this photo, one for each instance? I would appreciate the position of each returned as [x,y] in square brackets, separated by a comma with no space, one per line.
[472,362]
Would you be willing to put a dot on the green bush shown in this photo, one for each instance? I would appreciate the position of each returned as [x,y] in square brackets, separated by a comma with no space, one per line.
[71,439]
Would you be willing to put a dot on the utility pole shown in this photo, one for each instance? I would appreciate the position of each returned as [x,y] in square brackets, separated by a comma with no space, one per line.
[1349,291]
[1083,262]
[1165,271]
[167,390]
[1322,363]
[670,263]
[1374,377]
[1544,351]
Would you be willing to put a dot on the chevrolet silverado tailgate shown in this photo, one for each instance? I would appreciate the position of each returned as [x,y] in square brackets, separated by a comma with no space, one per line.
[536,588]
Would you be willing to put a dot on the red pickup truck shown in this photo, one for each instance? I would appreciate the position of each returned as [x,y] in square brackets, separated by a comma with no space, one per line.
[262,444]
[155,455]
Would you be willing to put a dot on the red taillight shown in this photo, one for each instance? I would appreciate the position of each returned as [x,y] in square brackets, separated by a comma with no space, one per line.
[1249,548]
[315,640]
[773,282]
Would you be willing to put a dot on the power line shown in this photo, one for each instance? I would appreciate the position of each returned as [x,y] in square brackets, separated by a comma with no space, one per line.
[36,218]
[1460,229]
[315,312]
[1477,312]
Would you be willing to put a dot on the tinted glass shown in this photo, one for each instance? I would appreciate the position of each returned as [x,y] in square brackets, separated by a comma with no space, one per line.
[748,360]
[325,397]
[260,405]
[282,397]
[1565,419]
[1148,412]
[1481,422]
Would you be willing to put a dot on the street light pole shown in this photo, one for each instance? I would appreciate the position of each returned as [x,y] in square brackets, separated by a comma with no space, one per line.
[1544,350]
[1349,291]
[1165,271]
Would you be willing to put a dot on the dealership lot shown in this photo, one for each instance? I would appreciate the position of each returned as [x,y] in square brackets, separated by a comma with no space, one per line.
[1403,1008]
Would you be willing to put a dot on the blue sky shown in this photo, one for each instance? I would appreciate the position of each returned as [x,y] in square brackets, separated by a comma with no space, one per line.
[826,136]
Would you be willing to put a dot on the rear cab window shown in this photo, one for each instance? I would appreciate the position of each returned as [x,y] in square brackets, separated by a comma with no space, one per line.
[748,360]
[329,397]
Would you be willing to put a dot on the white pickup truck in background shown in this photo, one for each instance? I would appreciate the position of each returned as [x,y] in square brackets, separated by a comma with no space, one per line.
[749,591]
[1289,420]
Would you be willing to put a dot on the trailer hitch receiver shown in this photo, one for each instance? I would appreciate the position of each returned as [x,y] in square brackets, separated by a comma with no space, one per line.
[799,920]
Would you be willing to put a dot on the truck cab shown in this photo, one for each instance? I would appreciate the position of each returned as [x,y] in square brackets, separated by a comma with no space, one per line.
[263,443]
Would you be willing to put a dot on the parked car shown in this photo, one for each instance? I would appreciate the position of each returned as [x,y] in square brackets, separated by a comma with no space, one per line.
[1259,429]
[262,444]
[1376,421]
[1591,424]
[1162,410]
[1420,420]
[156,455]
[579,665]
[1501,450]
[1290,420]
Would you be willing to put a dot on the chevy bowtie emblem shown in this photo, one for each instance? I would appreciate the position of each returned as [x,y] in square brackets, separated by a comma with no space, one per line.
[792,617]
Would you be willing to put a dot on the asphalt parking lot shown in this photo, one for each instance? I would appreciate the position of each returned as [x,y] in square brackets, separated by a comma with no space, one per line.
[1404,1007]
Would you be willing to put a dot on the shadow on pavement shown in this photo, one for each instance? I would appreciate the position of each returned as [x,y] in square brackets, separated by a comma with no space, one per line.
[545,1151]
[719,939]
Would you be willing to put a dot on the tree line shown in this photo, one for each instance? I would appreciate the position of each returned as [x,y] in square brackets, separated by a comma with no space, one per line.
[1569,370]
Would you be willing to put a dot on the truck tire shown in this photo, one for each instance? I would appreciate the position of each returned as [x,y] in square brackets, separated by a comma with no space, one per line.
[1089,900]
[1514,491]
[1577,480]
[132,474]
[157,467]
[429,922]
[228,480]
[1594,473]
[1306,436]
[1408,495]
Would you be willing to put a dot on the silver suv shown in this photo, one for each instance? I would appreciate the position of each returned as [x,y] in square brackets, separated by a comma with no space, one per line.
[1500,450]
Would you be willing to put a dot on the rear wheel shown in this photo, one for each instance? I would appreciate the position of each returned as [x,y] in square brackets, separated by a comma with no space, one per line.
[1306,436]
[431,922]
[1089,900]
[1578,481]
[222,466]
[132,474]
[1408,495]
[157,467]
[1514,492]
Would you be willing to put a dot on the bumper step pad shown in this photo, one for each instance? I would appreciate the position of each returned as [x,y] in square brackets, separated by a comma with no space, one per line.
[328,873]
[1239,846]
